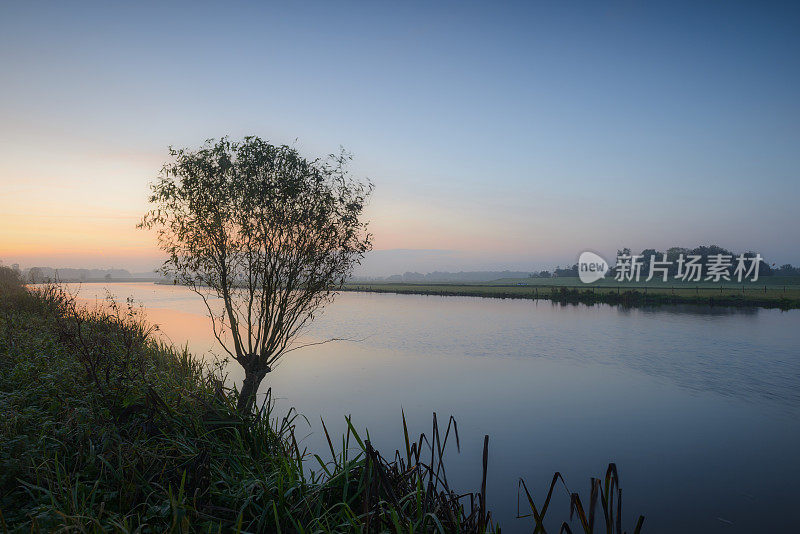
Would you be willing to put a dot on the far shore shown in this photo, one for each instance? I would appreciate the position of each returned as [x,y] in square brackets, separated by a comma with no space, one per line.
[782,294]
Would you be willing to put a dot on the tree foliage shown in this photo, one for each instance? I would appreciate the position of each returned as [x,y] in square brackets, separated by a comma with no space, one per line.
[272,234]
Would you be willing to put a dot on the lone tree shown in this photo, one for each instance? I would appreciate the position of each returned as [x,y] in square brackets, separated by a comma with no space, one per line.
[271,234]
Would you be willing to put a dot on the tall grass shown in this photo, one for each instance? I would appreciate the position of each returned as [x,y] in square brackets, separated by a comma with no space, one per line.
[606,492]
[105,428]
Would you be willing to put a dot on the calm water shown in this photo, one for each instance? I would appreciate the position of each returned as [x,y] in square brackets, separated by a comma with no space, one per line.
[697,406]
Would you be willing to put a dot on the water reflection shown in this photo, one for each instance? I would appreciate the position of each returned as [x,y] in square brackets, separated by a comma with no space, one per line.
[691,309]
[725,350]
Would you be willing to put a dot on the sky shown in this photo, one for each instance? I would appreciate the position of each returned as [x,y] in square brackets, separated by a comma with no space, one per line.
[498,135]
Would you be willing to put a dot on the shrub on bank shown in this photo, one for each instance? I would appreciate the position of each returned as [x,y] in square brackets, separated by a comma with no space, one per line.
[105,428]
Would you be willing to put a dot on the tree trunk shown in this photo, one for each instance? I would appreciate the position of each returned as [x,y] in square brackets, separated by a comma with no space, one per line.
[247,397]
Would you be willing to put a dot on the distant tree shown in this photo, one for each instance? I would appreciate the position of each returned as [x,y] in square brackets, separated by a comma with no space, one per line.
[270,233]
[706,251]
[10,281]
[647,256]
[566,271]
[763,267]
[787,270]
[673,254]
[626,251]
[35,275]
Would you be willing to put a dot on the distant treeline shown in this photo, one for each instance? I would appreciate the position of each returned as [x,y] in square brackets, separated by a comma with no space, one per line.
[49,274]
[672,255]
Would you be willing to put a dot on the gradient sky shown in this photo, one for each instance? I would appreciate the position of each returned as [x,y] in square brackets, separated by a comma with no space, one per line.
[497,135]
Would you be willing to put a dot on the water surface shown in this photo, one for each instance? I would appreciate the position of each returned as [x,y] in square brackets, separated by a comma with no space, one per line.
[697,406]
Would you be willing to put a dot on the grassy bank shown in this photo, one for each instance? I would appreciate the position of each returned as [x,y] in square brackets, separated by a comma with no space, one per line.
[104,428]
[769,295]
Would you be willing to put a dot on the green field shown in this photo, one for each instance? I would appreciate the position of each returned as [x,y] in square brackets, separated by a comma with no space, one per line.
[780,292]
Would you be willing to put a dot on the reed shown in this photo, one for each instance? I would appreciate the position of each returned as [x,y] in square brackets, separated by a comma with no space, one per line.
[604,491]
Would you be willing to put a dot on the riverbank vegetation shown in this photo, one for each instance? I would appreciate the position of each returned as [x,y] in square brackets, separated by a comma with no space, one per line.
[105,428]
[784,295]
